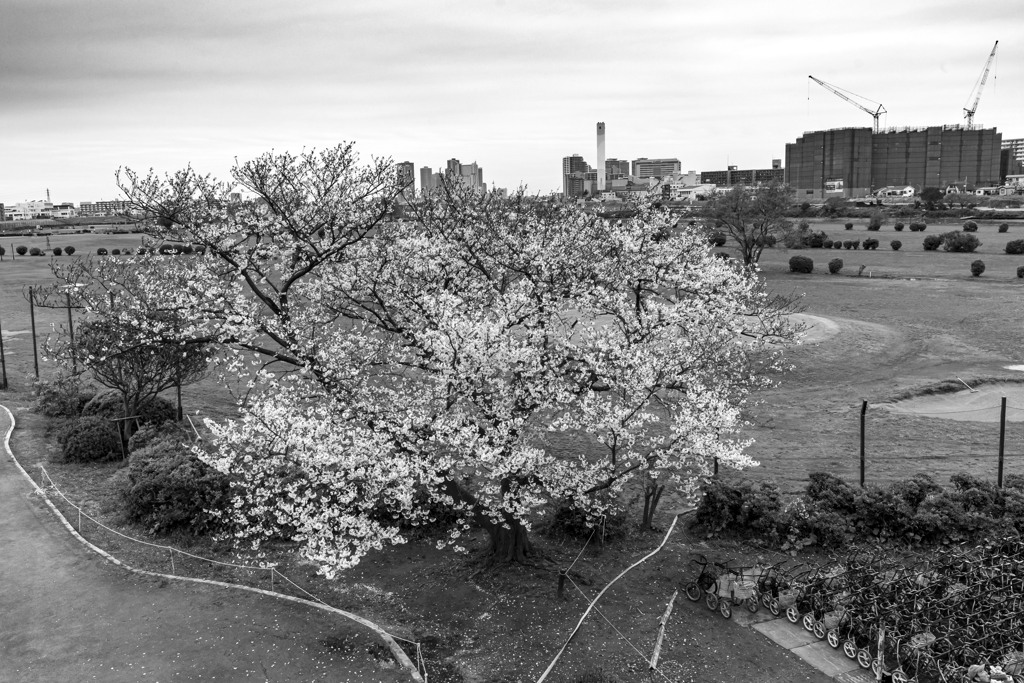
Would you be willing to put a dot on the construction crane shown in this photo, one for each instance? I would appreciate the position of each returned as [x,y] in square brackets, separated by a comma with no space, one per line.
[843,93]
[978,87]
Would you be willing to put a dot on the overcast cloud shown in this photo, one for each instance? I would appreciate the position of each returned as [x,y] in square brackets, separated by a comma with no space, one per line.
[515,85]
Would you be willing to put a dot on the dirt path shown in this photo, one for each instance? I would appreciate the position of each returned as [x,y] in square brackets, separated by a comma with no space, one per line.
[67,615]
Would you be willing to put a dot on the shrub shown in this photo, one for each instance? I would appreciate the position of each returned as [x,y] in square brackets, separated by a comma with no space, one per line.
[1020,271]
[816,240]
[801,264]
[142,251]
[567,520]
[35,251]
[109,405]
[831,493]
[127,251]
[932,242]
[895,244]
[1014,247]
[847,244]
[717,239]
[962,242]
[871,243]
[21,250]
[835,265]
[62,397]
[970,226]
[57,251]
[167,488]
[101,251]
[2,251]
[89,439]
[917,227]
[151,433]
[898,227]
[838,244]
[1004,227]
[827,244]
[977,267]
[848,226]
[875,222]
[115,252]
[69,250]
[743,506]
[856,244]
[166,250]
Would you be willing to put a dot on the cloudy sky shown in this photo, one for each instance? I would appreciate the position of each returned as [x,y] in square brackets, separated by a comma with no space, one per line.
[87,86]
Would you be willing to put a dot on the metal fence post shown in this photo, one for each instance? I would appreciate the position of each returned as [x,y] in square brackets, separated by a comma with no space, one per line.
[1002,440]
[863,410]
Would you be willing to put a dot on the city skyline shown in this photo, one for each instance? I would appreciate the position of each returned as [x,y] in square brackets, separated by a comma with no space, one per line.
[514,86]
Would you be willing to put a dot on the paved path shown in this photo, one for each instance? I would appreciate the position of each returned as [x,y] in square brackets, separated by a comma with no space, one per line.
[68,615]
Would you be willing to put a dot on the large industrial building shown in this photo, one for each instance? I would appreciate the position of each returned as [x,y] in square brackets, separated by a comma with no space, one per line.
[853,162]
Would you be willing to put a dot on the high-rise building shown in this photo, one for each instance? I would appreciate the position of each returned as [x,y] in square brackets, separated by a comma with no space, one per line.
[406,176]
[616,168]
[655,168]
[851,162]
[600,157]
[574,168]
[427,179]
[1016,147]
[734,175]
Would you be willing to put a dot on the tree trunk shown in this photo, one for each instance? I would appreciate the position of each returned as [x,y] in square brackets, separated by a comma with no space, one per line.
[511,545]
[652,496]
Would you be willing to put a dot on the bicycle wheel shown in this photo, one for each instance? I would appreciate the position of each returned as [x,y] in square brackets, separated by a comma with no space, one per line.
[819,630]
[752,604]
[724,608]
[864,658]
[793,614]
[850,649]
[899,677]
[693,591]
[774,607]
[809,621]
[833,638]
[711,600]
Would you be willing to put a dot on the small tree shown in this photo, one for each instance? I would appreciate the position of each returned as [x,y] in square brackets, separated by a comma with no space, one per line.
[963,242]
[21,250]
[754,218]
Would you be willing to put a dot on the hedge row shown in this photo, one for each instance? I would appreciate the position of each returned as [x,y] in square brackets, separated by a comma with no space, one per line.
[831,513]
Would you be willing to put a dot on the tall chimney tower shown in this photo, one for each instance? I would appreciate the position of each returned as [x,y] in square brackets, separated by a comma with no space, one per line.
[600,156]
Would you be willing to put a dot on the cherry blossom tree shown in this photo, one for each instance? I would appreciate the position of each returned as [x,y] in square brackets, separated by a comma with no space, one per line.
[398,367]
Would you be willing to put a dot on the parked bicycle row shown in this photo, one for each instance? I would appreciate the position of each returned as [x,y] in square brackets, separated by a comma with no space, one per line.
[949,616]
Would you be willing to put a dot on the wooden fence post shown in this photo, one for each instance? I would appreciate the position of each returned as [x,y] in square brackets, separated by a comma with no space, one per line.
[863,410]
[32,315]
[1002,440]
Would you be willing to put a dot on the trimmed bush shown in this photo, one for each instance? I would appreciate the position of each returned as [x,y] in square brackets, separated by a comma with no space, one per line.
[1004,227]
[838,244]
[21,250]
[827,244]
[126,251]
[961,242]
[1014,247]
[895,244]
[848,226]
[35,251]
[57,251]
[89,439]
[816,240]
[801,264]
[101,251]
[898,227]
[871,243]
[847,244]
[970,226]
[69,250]
[63,397]
[109,405]
[835,265]
[717,239]
[875,222]
[568,521]
[977,267]
[917,227]
[115,252]
[932,242]
[1020,272]
[2,251]
[142,251]
[167,488]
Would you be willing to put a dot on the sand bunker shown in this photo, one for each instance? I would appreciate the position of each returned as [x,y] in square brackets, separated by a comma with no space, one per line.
[980,405]
[1018,368]
[815,328]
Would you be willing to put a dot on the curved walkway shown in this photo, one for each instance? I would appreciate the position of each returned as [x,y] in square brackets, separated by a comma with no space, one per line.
[67,615]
